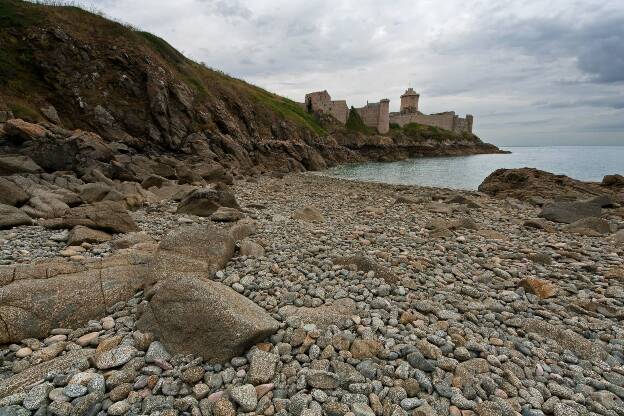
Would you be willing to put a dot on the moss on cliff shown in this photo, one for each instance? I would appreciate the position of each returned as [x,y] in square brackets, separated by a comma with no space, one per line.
[355,123]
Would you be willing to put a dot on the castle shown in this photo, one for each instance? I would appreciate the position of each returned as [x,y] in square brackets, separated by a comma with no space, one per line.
[377,115]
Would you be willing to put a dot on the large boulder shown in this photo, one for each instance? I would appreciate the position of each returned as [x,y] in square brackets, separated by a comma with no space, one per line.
[11,194]
[12,217]
[214,173]
[80,234]
[204,202]
[106,216]
[172,192]
[225,214]
[154,180]
[38,297]
[10,164]
[569,212]
[187,175]
[21,130]
[44,204]
[590,226]
[613,180]
[201,250]
[94,192]
[69,150]
[203,317]
[132,194]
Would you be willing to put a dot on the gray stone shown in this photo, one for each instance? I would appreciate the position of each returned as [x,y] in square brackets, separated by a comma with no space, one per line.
[245,397]
[74,390]
[115,357]
[319,379]
[37,396]
[203,317]
[262,367]
[156,351]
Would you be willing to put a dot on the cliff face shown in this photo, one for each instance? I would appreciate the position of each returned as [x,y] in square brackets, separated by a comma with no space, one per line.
[81,71]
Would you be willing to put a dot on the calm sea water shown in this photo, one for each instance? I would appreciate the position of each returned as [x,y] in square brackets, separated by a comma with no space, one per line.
[587,163]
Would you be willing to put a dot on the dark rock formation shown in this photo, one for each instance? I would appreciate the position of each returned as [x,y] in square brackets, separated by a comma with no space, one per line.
[538,186]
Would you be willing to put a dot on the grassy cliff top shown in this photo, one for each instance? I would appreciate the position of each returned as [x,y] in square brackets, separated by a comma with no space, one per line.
[27,79]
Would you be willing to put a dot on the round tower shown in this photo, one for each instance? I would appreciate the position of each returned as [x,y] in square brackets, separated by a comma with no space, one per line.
[409,101]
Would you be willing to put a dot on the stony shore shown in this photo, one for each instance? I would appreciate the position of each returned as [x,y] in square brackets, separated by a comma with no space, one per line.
[389,300]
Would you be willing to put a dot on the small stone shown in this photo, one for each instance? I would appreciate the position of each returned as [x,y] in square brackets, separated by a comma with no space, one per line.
[362,409]
[23,352]
[87,339]
[118,408]
[115,357]
[74,390]
[319,379]
[108,323]
[223,407]
[37,396]
[192,374]
[156,351]
[262,367]
[245,397]
[411,403]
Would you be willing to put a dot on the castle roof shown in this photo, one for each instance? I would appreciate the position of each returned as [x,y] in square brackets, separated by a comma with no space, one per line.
[409,92]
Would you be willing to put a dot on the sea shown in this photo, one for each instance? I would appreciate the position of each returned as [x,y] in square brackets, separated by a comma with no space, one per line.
[586,163]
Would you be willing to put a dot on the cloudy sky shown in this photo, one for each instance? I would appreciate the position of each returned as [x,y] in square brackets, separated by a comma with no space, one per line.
[531,71]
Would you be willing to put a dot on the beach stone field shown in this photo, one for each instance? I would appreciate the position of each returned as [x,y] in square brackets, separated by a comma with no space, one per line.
[308,295]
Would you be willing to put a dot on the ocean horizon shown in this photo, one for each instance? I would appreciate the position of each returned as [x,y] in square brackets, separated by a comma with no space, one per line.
[586,163]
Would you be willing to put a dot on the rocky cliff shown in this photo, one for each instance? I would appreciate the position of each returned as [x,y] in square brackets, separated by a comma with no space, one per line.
[76,70]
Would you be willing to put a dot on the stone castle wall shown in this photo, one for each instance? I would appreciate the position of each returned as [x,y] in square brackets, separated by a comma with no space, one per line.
[448,120]
[376,115]
[321,101]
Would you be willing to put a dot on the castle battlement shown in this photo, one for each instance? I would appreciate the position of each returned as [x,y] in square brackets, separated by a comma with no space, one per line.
[377,115]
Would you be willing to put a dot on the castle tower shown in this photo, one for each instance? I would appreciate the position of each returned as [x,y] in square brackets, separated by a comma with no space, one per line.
[469,122]
[409,101]
[383,122]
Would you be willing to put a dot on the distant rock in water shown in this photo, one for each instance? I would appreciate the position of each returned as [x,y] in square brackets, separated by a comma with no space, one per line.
[538,186]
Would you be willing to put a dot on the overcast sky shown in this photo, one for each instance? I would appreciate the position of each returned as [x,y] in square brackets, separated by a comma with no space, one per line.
[531,71]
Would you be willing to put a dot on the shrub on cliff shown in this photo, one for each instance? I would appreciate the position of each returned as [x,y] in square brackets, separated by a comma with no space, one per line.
[355,123]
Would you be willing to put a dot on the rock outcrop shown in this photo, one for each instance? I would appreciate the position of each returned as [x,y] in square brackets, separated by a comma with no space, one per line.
[12,217]
[538,186]
[37,298]
[11,194]
[569,212]
[205,202]
[106,216]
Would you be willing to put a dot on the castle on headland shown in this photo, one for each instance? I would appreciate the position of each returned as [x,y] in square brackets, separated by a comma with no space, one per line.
[377,115]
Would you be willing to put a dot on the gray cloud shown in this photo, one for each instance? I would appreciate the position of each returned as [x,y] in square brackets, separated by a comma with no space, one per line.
[616,102]
[597,45]
[226,8]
